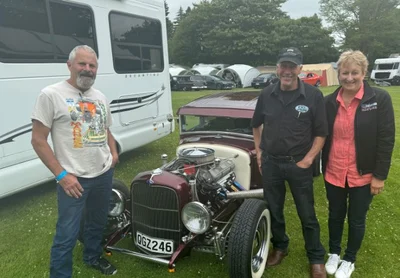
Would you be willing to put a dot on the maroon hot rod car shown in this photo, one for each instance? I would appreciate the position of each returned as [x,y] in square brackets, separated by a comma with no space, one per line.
[208,198]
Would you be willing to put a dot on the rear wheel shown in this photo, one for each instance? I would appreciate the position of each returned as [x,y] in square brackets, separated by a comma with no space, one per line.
[318,83]
[249,240]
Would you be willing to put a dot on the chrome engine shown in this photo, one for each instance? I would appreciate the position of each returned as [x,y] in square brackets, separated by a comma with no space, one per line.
[210,178]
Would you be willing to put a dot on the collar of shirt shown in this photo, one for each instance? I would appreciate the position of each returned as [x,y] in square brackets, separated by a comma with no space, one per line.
[358,96]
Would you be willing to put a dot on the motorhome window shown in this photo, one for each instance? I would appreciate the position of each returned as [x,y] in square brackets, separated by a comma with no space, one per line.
[30,34]
[72,25]
[136,43]
[386,66]
[24,30]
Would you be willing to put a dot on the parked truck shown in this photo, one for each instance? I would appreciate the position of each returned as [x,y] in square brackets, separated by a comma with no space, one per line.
[387,70]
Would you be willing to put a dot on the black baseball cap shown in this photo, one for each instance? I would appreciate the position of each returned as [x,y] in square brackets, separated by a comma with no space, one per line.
[290,54]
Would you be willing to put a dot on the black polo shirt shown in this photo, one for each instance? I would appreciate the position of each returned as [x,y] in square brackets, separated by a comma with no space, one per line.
[290,127]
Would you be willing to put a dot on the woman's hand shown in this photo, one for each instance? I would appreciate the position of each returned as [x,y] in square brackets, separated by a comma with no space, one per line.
[376,186]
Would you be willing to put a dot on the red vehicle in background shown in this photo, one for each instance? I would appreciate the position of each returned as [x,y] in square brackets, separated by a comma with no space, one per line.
[311,78]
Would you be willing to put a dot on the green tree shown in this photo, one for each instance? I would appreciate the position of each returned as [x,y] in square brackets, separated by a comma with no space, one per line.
[308,34]
[170,26]
[371,26]
[246,31]
[179,16]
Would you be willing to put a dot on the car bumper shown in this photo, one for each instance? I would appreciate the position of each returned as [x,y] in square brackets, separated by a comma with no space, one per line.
[199,87]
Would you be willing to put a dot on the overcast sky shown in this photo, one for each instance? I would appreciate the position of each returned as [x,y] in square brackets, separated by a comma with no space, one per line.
[295,8]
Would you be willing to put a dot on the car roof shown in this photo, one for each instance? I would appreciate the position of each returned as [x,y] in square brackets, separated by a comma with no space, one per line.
[239,104]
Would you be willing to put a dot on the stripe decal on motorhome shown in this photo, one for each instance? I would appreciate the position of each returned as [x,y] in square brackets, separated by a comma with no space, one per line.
[128,103]
[116,106]
[9,136]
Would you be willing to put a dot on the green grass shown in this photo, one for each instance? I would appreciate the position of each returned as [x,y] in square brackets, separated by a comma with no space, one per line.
[27,224]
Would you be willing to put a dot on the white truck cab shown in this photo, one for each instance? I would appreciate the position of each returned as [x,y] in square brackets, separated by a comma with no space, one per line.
[36,37]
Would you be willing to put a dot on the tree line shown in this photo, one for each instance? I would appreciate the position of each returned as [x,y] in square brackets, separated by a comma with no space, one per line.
[252,31]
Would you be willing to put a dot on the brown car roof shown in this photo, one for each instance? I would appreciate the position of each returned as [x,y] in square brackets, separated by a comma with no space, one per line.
[227,104]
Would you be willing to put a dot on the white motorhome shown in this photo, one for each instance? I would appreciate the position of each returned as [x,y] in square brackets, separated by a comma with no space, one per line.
[387,69]
[36,37]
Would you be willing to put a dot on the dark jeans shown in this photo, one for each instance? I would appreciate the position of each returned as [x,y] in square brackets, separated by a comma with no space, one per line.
[95,199]
[274,174]
[355,203]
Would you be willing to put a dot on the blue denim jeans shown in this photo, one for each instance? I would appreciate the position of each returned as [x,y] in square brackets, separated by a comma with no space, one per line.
[274,175]
[95,202]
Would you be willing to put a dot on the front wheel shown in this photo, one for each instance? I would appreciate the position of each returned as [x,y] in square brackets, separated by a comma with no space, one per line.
[396,80]
[318,83]
[249,240]
[118,213]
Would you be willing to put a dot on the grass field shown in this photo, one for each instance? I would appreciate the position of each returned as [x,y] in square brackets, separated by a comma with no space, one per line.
[27,224]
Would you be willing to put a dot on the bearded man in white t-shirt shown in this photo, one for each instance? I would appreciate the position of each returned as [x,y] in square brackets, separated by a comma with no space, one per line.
[78,118]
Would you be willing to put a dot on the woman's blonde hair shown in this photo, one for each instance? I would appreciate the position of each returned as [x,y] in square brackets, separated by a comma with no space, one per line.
[353,57]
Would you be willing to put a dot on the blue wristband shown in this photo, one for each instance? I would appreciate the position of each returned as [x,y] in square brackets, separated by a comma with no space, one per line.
[61,175]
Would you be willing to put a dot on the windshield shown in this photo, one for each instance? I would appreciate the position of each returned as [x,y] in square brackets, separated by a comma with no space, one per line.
[191,123]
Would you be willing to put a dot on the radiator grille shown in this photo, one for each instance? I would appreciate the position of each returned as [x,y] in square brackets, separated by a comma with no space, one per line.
[382,75]
[155,212]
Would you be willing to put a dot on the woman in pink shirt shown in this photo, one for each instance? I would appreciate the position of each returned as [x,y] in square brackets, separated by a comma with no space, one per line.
[356,156]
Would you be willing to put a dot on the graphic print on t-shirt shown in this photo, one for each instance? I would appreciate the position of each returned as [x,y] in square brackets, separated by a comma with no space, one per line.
[88,119]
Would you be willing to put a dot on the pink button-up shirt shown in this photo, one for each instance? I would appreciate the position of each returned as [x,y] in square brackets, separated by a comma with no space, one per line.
[342,157]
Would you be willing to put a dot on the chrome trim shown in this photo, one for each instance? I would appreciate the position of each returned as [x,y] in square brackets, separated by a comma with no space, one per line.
[139,255]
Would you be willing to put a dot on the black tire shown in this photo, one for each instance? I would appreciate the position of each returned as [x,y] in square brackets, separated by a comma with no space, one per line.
[396,80]
[124,191]
[316,166]
[318,83]
[219,86]
[249,240]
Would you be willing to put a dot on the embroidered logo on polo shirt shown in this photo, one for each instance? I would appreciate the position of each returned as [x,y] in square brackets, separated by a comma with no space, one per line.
[369,106]
[301,108]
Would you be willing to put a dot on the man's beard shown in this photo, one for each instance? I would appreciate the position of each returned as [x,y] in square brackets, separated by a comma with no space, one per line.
[85,80]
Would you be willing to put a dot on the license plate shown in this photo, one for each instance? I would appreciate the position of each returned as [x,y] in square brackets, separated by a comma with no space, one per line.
[155,245]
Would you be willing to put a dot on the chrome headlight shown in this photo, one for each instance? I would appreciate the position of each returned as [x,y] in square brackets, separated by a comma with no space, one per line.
[117,204]
[196,217]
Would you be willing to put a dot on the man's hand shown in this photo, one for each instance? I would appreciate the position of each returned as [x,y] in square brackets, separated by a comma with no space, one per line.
[115,159]
[376,186]
[259,161]
[71,186]
[304,163]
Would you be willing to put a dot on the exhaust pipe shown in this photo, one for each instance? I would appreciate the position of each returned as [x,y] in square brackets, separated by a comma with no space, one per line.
[255,193]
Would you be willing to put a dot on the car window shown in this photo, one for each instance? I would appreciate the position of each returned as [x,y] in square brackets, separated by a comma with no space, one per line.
[191,123]
[217,77]
[196,78]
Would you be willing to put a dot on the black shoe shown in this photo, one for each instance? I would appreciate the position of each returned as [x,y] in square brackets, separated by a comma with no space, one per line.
[104,267]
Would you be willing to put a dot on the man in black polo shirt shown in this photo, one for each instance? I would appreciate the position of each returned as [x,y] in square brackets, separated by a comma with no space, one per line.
[289,127]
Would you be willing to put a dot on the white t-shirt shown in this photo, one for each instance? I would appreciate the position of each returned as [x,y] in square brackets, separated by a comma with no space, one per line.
[78,123]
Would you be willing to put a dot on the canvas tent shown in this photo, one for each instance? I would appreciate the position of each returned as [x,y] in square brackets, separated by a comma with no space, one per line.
[327,71]
[206,70]
[241,74]
[178,70]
